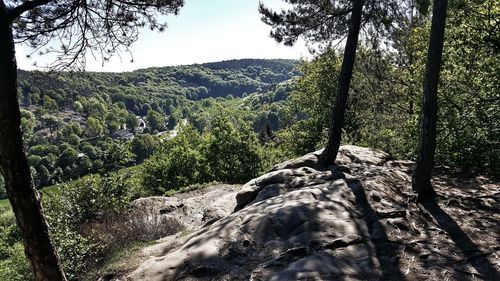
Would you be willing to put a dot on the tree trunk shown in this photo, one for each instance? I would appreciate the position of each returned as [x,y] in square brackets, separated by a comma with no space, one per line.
[335,132]
[14,167]
[421,182]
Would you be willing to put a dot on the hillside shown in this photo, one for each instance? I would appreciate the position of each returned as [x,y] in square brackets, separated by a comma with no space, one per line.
[76,124]
[300,222]
[159,86]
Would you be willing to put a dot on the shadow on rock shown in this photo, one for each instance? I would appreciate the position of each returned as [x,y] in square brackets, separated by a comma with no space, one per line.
[387,253]
[473,255]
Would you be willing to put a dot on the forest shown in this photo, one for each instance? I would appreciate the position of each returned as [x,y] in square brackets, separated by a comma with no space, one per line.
[81,123]
[96,142]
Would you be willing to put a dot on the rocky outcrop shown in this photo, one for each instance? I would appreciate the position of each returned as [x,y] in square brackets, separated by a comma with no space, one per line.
[348,154]
[300,222]
[280,182]
[190,210]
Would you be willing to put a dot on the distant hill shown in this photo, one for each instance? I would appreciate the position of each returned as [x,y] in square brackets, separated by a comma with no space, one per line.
[245,63]
[159,87]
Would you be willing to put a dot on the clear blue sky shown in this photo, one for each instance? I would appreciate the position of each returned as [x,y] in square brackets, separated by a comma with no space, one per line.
[204,31]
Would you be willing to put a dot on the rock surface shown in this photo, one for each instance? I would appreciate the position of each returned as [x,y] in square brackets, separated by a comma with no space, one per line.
[302,223]
[191,210]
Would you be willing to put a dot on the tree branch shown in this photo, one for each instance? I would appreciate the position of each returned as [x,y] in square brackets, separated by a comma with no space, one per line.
[15,12]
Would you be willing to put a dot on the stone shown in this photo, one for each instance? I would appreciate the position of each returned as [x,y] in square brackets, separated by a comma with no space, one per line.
[297,222]
[392,213]
[349,154]
[344,241]
[309,160]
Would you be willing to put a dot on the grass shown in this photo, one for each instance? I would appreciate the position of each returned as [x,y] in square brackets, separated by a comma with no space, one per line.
[123,259]
[46,191]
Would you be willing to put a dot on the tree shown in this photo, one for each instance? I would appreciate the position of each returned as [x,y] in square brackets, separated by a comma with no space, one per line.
[178,163]
[51,122]
[77,106]
[421,181]
[329,154]
[469,103]
[67,158]
[50,104]
[28,122]
[229,152]
[94,127]
[323,22]
[156,120]
[103,27]
[144,146]
[313,90]
[131,121]
[43,176]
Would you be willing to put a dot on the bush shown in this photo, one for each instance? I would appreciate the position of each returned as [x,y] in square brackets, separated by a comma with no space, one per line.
[143,146]
[230,153]
[90,198]
[87,200]
[226,154]
[133,225]
[177,164]
[13,262]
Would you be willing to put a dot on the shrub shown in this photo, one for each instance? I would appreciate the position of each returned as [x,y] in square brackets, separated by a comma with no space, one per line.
[226,154]
[230,154]
[177,164]
[89,199]
[13,263]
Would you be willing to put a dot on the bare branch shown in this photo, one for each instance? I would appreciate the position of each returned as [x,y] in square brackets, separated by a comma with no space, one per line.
[99,28]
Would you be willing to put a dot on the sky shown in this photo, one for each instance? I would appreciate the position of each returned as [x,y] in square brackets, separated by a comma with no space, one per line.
[204,31]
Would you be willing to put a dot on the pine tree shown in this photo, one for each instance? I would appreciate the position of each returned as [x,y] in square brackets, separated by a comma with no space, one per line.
[421,181]
[324,22]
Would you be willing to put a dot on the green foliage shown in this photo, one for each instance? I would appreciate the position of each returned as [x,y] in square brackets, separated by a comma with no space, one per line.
[13,263]
[178,164]
[157,88]
[76,205]
[74,140]
[468,134]
[90,198]
[143,146]
[131,121]
[230,153]
[384,98]
[77,106]
[94,127]
[423,6]
[50,104]
[51,122]
[310,104]
[156,120]
[116,154]
[68,157]
[226,153]
[28,122]
[86,122]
